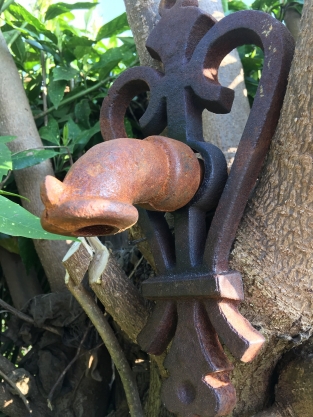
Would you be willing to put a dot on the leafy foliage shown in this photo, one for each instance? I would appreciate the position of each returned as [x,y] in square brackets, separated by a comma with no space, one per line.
[251,56]
[66,74]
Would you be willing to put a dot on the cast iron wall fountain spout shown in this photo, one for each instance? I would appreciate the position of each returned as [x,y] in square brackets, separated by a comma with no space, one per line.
[196,294]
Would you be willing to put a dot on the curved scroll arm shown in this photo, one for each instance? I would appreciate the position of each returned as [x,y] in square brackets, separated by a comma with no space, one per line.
[276,41]
[129,84]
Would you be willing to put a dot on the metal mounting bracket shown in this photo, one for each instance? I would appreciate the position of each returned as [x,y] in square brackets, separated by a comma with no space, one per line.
[196,294]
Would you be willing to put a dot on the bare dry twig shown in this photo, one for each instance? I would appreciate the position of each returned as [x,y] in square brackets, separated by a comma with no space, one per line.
[26,318]
[50,396]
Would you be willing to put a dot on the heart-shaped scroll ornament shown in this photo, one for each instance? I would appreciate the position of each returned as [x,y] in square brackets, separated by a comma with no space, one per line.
[196,294]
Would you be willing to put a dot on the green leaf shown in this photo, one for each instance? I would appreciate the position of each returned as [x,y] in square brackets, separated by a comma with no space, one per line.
[111,58]
[73,130]
[8,35]
[82,113]
[31,157]
[16,221]
[12,195]
[6,139]
[23,15]
[18,48]
[27,251]
[127,40]
[128,128]
[51,132]
[64,73]
[82,139]
[80,51]
[10,244]
[59,8]
[114,27]
[56,91]
[5,160]
[236,5]
[4,6]
[34,27]
[79,41]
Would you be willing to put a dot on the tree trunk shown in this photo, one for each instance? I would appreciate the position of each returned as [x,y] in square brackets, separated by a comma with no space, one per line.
[274,243]
[16,119]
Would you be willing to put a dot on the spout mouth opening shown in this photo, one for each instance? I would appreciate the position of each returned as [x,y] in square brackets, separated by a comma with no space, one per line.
[89,217]
[97,230]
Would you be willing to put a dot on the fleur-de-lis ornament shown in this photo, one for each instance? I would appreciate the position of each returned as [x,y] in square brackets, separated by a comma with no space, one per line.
[196,294]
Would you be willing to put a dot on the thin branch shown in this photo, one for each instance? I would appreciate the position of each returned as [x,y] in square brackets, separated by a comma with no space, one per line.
[135,268]
[2,183]
[135,242]
[74,97]
[44,85]
[50,396]
[111,343]
[14,386]
[27,318]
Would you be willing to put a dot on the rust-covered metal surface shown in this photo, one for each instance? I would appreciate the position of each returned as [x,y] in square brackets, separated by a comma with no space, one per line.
[98,193]
[197,296]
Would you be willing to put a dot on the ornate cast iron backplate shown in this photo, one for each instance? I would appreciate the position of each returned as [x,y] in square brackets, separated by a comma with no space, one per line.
[196,294]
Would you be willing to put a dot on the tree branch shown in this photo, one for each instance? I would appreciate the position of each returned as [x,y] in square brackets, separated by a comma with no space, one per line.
[27,318]
[17,390]
[76,267]
[116,292]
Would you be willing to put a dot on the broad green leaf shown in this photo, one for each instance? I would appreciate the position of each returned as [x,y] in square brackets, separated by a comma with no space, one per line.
[51,132]
[82,139]
[112,57]
[73,130]
[64,73]
[56,91]
[5,160]
[31,157]
[6,139]
[35,44]
[59,8]
[16,221]
[24,16]
[80,51]
[236,5]
[78,41]
[44,46]
[18,48]
[82,113]
[127,40]
[114,27]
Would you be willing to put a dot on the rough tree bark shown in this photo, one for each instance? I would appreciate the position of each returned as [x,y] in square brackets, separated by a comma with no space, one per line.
[274,243]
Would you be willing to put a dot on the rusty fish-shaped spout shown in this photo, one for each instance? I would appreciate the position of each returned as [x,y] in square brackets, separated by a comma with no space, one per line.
[98,193]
